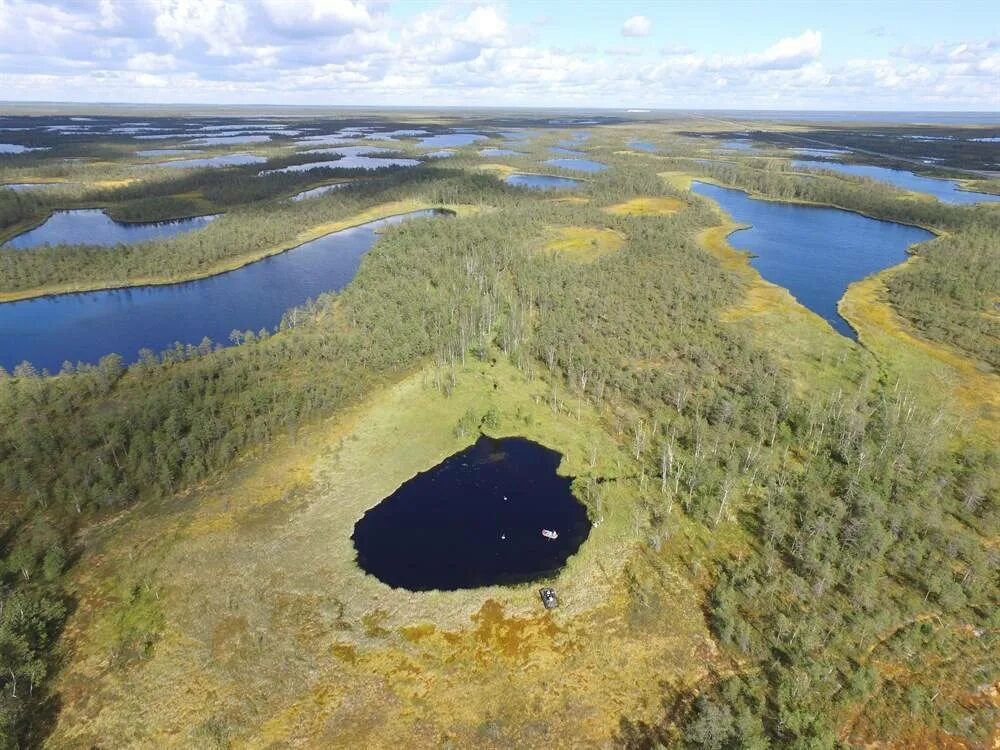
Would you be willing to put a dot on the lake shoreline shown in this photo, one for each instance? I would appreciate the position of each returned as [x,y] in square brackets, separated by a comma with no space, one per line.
[231,265]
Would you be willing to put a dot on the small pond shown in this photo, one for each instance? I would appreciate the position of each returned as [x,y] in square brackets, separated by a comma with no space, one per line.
[944,190]
[318,191]
[543,182]
[451,139]
[91,226]
[579,165]
[85,326]
[649,148]
[475,519]
[812,251]
[226,160]
[13,148]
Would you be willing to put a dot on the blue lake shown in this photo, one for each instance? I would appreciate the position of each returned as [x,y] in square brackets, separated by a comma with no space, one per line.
[91,226]
[579,165]
[543,182]
[84,327]
[814,252]
[475,519]
[944,190]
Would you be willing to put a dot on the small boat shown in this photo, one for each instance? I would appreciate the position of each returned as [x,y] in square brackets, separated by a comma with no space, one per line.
[548,534]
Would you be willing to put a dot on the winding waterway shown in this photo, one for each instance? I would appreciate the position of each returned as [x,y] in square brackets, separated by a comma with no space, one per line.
[91,226]
[85,326]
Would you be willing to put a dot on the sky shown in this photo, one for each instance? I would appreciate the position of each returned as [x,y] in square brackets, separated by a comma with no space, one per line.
[873,55]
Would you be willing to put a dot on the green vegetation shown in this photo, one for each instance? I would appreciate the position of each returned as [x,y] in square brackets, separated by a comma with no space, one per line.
[950,293]
[835,527]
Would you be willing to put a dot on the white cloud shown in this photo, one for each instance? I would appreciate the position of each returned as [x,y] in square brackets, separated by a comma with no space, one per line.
[317,17]
[637,26]
[453,52]
[219,25]
[150,62]
[788,53]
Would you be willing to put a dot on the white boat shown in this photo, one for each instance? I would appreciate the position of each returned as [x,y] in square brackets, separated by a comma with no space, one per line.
[548,534]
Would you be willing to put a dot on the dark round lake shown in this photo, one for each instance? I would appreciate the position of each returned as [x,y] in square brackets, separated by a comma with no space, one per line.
[476,519]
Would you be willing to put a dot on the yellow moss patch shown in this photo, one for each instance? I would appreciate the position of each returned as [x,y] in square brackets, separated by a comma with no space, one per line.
[113,183]
[503,170]
[650,206]
[585,244]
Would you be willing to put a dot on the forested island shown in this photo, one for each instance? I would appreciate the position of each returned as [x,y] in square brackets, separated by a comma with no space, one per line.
[792,533]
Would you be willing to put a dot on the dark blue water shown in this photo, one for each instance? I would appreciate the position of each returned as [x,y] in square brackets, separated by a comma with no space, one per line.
[579,165]
[543,182]
[84,327]
[813,252]
[91,226]
[944,190]
[474,520]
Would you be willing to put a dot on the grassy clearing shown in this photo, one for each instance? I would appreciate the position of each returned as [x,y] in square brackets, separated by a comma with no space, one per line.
[585,244]
[374,213]
[651,206]
[937,372]
[264,610]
